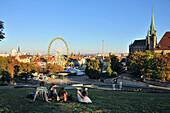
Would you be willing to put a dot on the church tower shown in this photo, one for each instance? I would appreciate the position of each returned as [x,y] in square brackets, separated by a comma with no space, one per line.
[19,53]
[151,39]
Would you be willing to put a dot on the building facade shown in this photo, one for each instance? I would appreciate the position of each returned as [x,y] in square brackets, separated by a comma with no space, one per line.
[163,46]
[145,44]
[13,52]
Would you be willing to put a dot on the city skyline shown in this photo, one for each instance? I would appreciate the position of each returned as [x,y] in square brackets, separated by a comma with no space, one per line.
[82,24]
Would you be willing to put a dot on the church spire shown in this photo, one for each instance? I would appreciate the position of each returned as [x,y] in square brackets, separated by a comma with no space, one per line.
[152,27]
[18,49]
[148,33]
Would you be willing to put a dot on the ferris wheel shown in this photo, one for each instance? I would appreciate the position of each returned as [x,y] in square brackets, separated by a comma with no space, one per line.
[56,47]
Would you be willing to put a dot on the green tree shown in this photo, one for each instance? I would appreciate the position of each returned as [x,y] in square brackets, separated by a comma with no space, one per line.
[1,31]
[109,70]
[93,69]
[4,76]
[115,64]
[153,65]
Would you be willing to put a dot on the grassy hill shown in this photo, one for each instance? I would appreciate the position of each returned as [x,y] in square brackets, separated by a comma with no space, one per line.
[14,100]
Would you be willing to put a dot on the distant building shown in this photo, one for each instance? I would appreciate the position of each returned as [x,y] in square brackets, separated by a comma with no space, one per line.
[23,58]
[145,44]
[39,54]
[103,54]
[164,44]
[23,53]
[4,55]
[13,52]
[110,53]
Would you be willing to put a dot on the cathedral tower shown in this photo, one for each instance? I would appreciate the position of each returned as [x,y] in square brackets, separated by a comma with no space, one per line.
[151,39]
[19,52]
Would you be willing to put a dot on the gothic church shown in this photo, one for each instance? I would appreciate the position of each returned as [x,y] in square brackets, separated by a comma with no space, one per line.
[146,44]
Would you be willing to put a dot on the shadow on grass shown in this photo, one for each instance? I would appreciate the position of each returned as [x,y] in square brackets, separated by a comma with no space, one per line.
[14,100]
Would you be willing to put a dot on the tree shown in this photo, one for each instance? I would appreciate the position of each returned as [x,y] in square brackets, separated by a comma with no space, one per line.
[153,65]
[1,31]
[25,67]
[16,70]
[3,63]
[109,70]
[93,69]
[123,60]
[35,67]
[11,63]
[7,67]
[115,64]
[110,73]
[72,54]
[4,76]
[50,68]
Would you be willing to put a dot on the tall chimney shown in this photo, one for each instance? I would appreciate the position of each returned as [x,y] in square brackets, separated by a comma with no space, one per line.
[103,49]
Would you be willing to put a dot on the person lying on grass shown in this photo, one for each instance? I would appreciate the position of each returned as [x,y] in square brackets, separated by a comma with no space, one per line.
[82,96]
[42,89]
[62,95]
[52,92]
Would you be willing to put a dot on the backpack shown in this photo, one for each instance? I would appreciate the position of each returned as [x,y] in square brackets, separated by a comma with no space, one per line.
[30,95]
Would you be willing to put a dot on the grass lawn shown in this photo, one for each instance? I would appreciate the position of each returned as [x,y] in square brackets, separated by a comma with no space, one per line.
[14,100]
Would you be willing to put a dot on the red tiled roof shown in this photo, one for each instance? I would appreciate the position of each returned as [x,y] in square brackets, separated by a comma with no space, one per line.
[164,43]
[39,60]
[23,57]
[74,57]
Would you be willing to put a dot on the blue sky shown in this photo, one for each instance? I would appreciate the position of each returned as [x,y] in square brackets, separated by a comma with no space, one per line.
[83,24]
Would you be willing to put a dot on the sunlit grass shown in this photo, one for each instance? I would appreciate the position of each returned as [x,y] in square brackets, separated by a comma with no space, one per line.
[14,100]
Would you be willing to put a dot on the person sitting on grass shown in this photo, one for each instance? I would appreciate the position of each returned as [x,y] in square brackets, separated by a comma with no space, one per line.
[52,92]
[62,95]
[42,90]
[82,96]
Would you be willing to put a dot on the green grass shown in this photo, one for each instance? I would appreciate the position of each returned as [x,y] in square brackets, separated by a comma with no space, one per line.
[14,100]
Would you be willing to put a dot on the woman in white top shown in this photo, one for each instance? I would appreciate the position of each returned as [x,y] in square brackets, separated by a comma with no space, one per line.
[82,96]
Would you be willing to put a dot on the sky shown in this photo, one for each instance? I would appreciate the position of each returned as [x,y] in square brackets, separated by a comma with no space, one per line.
[83,24]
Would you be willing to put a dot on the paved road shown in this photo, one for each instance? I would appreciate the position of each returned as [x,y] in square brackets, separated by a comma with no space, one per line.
[85,80]
[76,79]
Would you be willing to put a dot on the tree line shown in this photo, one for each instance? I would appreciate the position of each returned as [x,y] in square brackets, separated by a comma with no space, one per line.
[11,67]
[95,68]
[150,65]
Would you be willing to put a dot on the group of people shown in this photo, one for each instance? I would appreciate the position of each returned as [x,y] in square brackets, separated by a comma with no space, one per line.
[62,94]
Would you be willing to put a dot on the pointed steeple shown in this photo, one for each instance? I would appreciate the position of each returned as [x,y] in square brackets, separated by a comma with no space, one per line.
[18,49]
[152,27]
[148,33]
